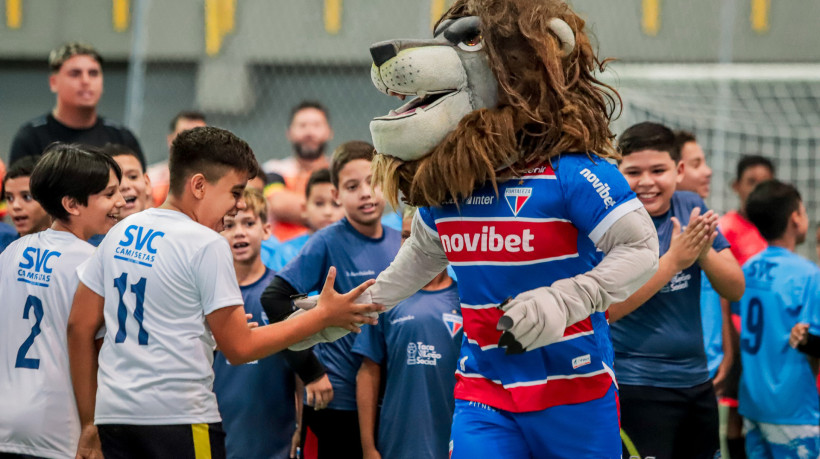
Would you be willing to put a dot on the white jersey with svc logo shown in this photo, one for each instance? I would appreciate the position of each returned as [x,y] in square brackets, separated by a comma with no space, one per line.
[161,273]
[38,278]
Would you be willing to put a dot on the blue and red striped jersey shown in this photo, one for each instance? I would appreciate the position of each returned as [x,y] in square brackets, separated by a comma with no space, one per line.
[537,229]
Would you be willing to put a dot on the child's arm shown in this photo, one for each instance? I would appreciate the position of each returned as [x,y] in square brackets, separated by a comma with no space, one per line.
[683,251]
[367,394]
[731,345]
[85,318]
[724,273]
[803,341]
[241,344]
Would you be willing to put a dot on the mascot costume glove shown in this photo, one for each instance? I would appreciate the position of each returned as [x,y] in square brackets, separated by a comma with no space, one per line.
[420,260]
[538,317]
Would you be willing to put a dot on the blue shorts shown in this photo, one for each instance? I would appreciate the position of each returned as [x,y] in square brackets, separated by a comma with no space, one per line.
[589,429]
[770,441]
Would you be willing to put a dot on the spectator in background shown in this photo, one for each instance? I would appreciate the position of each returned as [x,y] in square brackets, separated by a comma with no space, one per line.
[719,336]
[412,354]
[158,172]
[27,215]
[696,175]
[7,232]
[77,81]
[308,132]
[269,243]
[319,211]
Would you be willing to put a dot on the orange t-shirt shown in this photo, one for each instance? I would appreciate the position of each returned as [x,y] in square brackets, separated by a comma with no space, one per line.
[743,235]
[296,180]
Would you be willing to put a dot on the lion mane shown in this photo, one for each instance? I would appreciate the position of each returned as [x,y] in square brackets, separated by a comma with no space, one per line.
[547,104]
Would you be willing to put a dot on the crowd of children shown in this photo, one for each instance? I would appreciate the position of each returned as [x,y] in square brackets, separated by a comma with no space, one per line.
[169,338]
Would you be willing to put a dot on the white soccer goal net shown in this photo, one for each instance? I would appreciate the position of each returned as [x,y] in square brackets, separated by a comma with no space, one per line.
[734,110]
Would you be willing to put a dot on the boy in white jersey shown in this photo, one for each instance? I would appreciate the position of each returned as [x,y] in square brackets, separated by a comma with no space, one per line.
[163,283]
[80,190]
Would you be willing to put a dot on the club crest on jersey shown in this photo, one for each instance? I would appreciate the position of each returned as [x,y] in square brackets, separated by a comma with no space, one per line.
[516,198]
[453,322]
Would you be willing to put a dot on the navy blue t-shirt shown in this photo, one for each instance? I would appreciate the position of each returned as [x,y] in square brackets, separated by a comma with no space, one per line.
[418,341]
[357,258]
[660,344]
[256,399]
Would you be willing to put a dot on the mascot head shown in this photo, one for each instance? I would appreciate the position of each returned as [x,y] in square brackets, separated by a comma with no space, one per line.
[502,86]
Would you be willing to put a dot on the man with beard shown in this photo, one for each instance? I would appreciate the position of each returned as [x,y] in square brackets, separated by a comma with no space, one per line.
[308,132]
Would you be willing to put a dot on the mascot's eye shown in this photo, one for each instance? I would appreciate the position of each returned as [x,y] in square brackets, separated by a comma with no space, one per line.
[472,44]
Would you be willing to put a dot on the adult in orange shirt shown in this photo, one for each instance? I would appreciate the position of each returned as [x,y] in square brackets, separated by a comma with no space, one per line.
[308,132]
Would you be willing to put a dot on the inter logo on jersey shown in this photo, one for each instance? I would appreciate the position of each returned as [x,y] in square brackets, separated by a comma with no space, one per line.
[36,266]
[516,198]
[453,322]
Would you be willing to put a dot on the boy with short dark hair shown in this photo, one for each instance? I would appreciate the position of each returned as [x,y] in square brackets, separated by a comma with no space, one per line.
[320,210]
[668,404]
[360,247]
[27,215]
[255,399]
[80,189]
[412,354]
[164,285]
[778,397]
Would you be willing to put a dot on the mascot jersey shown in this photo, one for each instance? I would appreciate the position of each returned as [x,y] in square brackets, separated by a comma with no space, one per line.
[538,228]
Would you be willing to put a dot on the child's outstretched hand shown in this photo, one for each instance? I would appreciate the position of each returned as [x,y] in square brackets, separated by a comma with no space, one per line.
[339,309]
[686,246]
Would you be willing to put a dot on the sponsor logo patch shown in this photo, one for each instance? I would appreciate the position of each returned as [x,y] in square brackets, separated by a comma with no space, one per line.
[578,362]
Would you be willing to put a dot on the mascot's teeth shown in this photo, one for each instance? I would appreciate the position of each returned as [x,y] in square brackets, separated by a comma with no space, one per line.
[422,94]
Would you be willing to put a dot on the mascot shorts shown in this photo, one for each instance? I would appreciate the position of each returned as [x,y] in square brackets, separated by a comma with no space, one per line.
[587,429]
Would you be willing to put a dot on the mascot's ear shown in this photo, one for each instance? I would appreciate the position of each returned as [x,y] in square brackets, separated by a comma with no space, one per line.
[565,35]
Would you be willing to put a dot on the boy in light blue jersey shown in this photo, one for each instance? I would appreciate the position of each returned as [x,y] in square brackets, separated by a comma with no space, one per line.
[320,210]
[412,353]
[778,397]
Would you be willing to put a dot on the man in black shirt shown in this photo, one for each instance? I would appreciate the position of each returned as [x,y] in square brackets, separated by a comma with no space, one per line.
[77,80]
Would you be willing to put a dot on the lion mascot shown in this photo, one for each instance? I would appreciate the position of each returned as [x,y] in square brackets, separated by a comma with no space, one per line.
[505,146]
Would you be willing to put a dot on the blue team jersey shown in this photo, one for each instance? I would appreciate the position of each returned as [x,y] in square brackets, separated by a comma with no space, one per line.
[712,321]
[660,344]
[256,399]
[418,342]
[285,252]
[538,228]
[268,250]
[357,258]
[7,235]
[777,385]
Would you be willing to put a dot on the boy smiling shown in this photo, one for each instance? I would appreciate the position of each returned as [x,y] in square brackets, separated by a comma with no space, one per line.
[668,404]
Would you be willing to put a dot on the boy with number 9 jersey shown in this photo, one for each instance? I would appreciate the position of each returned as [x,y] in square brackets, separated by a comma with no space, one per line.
[80,190]
[163,283]
[778,399]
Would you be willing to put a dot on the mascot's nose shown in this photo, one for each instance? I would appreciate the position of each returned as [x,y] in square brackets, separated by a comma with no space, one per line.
[383,52]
